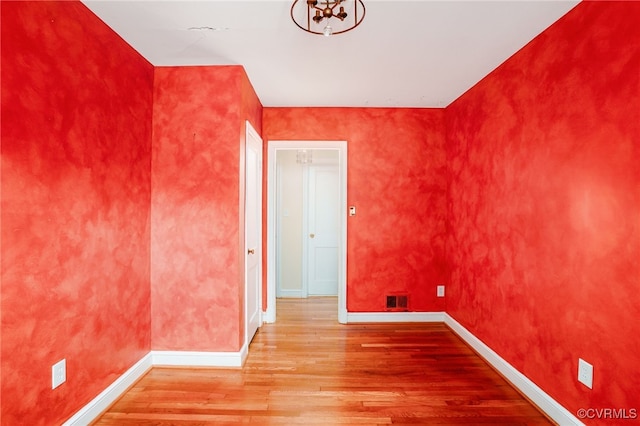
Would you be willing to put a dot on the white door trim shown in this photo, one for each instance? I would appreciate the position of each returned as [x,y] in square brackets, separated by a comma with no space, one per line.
[273,147]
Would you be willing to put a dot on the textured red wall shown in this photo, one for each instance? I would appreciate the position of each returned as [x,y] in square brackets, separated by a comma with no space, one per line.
[397,180]
[197,242]
[76,152]
[545,207]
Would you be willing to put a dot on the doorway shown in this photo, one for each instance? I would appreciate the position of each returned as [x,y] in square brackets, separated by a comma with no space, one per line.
[312,229]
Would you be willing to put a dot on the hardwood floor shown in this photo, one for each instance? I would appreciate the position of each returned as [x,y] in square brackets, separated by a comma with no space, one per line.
[306,369]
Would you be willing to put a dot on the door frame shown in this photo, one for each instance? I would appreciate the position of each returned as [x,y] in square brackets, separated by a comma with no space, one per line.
[273,147]
[250,132]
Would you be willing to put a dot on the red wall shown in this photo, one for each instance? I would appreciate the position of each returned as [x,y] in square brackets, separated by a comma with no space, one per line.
[541,221]
[397,180]
[544,207]
[197,243]
[76,152]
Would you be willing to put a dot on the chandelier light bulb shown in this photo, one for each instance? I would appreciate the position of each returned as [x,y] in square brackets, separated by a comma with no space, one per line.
[327,31]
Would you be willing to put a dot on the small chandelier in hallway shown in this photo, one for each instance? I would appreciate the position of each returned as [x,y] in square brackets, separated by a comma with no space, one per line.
[327,17]
[304,156]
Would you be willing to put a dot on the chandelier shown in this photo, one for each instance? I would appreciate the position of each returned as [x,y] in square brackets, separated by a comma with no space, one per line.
[317,16]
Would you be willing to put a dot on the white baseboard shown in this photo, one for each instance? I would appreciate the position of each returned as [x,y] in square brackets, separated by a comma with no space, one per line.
[359,317]
[200,359]
[539,397]
[100,403]
[93,409]
[291,294]
[236,359]
[269,316]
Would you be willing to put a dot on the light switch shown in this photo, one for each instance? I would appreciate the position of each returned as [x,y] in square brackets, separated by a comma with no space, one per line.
[352,210]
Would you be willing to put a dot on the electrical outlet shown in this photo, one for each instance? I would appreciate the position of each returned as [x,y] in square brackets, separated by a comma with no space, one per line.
[585,373]
[58,373]
[440,291]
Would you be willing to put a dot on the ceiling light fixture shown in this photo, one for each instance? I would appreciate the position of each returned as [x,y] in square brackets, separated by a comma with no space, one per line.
[309,15]
[304,157]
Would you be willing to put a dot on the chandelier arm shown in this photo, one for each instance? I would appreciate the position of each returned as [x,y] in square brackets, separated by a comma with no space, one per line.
[356,21]
[321,9]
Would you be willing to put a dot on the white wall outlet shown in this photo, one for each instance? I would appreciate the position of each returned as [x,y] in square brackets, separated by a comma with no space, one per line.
[58,373]
[440,291]
[585,373]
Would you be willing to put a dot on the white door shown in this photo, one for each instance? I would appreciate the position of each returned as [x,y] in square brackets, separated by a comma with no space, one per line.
[253,233]
[324,230]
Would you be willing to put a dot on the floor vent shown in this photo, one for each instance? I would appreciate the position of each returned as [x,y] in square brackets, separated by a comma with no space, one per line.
[402,302]
[397,302]
[392,302]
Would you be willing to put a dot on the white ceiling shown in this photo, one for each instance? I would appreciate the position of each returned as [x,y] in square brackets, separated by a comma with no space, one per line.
[404,54]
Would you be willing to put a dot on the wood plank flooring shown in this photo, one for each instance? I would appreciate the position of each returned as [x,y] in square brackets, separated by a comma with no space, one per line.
[306,369]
